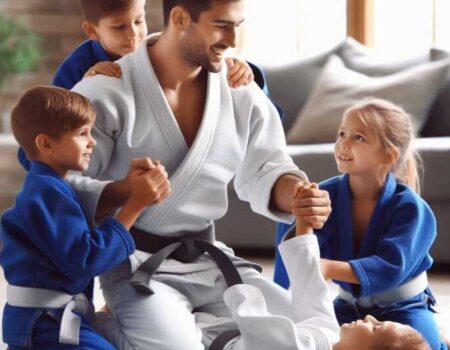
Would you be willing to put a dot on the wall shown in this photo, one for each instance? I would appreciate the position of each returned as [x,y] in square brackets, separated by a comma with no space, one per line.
[58,23]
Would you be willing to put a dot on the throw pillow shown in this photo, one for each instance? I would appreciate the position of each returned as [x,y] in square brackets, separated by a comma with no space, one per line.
[290,84]
[362,59]
[338,88]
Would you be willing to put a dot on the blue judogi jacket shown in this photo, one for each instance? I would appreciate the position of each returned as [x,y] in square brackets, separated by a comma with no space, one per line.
[79,61]
[394,248]
[47,243]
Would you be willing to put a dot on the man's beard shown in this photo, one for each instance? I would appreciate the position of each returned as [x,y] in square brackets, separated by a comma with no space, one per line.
[195,53]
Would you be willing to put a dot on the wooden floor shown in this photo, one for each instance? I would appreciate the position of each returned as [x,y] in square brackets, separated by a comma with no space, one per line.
[439,282]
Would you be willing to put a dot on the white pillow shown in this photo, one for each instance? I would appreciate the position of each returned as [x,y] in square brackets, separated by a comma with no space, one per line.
[338,88]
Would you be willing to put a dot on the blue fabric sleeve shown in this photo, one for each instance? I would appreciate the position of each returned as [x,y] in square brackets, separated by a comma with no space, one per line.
[59,228]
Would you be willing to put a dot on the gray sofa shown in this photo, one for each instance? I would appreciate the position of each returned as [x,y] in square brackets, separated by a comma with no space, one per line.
[290,86]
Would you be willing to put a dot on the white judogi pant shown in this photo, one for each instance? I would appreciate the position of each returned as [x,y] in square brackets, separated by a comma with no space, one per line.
[186,312]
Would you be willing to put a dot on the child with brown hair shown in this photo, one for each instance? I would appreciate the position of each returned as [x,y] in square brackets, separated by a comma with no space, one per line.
[50,253]
[116,28]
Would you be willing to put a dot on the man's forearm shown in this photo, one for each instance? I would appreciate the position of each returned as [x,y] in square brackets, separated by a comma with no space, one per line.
[114,195]
[283,192]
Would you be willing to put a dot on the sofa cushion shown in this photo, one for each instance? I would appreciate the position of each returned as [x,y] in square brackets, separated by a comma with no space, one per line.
[338,88]
[290,84]
[438,120]
[364,60]
[319,163]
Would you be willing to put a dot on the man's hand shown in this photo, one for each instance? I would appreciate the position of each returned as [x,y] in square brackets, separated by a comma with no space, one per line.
[148,187]
[314,206]
[239,72]
[115,194]
[110,69]
[148,184]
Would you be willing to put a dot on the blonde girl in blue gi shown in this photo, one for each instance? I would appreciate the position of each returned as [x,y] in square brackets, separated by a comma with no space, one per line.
[376,242]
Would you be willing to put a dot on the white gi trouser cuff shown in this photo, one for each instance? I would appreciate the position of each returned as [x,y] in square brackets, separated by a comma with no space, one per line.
[49,299]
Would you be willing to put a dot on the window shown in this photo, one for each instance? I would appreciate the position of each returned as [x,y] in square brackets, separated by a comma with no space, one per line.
[442,23]
[279,32]
[403,27]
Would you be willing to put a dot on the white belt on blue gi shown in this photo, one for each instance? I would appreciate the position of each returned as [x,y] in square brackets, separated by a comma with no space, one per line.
[69,332]
[407,290]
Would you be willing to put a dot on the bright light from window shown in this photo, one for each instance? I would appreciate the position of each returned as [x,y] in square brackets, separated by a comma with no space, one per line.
[403,27]
[443,24]
[282,31]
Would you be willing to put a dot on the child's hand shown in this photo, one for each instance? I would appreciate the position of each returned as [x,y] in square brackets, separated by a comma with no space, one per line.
[145,184]
[301,226]
[110,69]
[239,72]
[149,187]
[314,205]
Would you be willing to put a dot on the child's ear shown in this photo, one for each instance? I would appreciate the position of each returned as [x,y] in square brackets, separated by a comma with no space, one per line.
[89,30]
[43,144]
[180,17]
[391,156]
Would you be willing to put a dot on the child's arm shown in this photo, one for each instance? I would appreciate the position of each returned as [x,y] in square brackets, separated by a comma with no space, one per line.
[301,226]
[110,69]
[338,270]
[147,187]
[311,298]
[239,72]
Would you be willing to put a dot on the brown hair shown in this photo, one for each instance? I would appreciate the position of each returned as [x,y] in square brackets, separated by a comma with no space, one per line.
[51,111]
[94,10]
[393,127]
[193,7]
[406,339]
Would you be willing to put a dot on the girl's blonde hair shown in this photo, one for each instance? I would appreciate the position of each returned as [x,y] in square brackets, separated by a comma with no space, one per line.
[393,127]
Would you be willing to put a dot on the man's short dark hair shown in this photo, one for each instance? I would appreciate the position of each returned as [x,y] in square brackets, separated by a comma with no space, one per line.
[94,10]
[48,110]
[193,7]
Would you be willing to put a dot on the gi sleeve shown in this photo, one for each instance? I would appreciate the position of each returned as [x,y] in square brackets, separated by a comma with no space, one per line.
[312,300]
[265,159]
[60,230]
[402,250]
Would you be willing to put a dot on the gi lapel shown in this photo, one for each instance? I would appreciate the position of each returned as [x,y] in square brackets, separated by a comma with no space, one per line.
[344,221]
[191,161]
[368,245]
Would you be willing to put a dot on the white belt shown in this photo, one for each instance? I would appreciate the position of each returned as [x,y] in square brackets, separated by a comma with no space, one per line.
[407,290]
[69,332]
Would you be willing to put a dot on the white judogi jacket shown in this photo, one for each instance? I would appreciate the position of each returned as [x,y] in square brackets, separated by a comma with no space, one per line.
[240,136]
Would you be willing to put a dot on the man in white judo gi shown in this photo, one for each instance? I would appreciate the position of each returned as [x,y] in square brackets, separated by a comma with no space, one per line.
[173,104]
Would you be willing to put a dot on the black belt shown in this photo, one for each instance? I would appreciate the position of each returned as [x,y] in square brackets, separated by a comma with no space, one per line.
[186,247]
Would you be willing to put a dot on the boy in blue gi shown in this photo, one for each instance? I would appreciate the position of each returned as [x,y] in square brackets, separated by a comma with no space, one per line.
[50,254]
[116,28]
[375,243]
